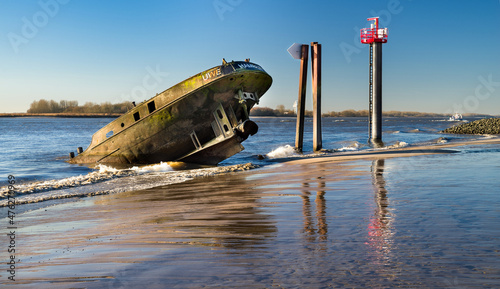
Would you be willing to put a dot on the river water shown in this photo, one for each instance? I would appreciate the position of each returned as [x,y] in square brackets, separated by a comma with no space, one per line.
[35,149]
[421,222]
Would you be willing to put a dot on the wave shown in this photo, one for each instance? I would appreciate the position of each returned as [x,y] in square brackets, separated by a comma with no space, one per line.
[398,144]
[283,152]
[442,140]
[106,180]
[416,130]
[352,147]
[102,173]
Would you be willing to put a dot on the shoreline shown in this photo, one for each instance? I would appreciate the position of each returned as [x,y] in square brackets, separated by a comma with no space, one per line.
[62,114]
[408,151]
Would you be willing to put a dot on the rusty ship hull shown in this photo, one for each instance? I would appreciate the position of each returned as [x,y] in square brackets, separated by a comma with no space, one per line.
[201,120]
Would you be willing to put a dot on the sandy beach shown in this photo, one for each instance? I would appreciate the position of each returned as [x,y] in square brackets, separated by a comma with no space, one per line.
[324,222]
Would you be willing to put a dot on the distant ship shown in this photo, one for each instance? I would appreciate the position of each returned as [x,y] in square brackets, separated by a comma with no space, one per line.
[201,120]
[455,117]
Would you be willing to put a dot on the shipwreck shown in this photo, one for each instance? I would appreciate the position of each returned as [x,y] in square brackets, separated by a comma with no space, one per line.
[203,120]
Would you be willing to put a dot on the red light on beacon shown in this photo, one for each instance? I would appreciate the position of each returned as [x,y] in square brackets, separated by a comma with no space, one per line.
[373,34]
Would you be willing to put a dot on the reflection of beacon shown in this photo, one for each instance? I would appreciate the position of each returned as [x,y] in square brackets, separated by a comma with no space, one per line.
[375,37]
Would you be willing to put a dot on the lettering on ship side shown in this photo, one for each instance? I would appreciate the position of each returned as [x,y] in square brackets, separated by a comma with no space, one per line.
[249,66]
[212,73]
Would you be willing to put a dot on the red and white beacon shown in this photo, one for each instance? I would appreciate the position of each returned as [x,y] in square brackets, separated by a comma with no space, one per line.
[373,34]
[375,37]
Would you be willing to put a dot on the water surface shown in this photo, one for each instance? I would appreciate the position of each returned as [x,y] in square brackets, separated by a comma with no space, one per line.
[419,222]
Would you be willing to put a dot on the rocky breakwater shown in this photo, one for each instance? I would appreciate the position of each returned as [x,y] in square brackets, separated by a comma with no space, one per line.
[482,126]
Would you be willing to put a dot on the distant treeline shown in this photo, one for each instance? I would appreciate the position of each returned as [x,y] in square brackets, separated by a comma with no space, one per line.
[281,112]
[71,106]
[362,113]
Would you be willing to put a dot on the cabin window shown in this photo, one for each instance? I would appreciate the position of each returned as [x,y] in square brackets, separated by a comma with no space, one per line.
[151,106]
[109,134]
[137,116]
[122,124]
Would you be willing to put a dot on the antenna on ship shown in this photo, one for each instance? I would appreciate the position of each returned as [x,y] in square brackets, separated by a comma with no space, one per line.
[375,36]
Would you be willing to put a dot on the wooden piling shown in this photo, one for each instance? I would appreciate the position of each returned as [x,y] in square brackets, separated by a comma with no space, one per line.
[299,135]
[316,90]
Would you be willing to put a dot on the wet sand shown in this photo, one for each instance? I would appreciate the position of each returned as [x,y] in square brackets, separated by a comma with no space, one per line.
[324,222]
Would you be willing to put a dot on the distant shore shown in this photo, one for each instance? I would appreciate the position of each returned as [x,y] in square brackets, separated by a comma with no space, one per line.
[23,114]
[385,114]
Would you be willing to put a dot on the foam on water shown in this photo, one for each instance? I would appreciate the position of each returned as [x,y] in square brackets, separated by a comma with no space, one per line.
[352,147]
[106,180]
[283,152]
[104,169]
[398,144]
[442,140]
[161,167]
[102,174]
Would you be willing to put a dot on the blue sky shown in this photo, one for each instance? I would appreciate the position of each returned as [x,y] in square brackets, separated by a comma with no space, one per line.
[441,56]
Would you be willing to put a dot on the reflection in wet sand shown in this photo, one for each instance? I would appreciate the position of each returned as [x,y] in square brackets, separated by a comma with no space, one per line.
[380,229]
[218,212]
[320,227]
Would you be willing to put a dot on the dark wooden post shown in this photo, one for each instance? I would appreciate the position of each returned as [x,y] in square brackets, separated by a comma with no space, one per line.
[299,135]
[316,89]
